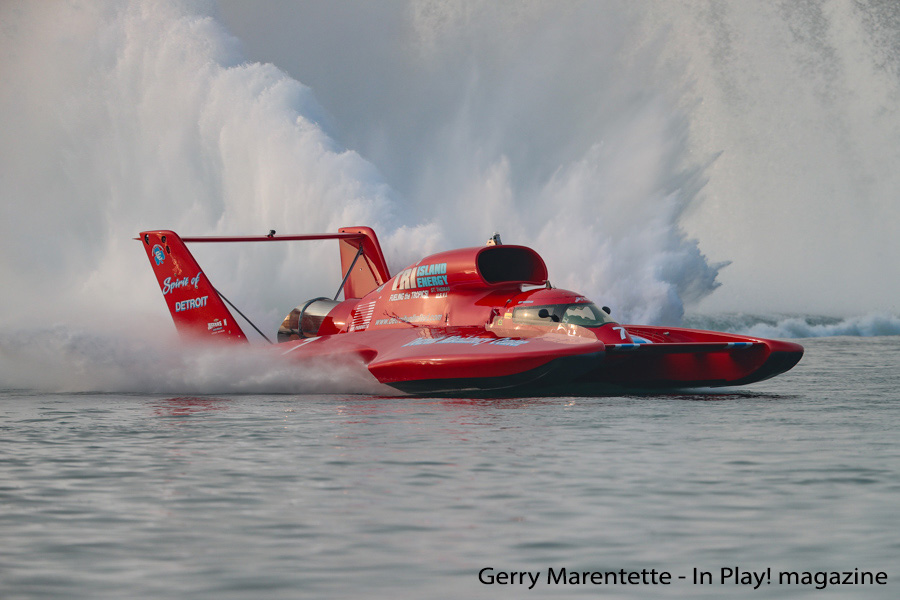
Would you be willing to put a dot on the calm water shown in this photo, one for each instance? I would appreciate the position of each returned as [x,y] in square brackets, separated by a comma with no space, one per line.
[276,496]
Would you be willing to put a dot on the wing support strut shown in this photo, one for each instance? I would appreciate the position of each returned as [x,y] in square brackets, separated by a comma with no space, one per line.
[238,311]
[350,270]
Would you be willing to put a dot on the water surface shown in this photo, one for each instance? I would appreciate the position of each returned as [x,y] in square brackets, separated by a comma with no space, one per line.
[342,496]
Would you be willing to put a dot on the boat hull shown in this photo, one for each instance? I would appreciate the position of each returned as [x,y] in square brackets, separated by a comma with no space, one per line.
[424,361]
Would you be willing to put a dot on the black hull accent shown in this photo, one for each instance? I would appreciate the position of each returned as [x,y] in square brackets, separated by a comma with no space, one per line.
[776,363]
[572,374]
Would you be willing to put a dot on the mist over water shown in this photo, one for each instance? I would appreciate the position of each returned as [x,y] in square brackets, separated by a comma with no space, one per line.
[787,112]
[552,125]
[801,98]
[150,362]
[638,147]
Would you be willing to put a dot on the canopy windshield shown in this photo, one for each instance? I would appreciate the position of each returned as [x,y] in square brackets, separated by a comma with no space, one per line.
[583,314]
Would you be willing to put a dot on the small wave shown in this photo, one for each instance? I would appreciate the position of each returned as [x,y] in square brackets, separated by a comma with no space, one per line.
[798,326]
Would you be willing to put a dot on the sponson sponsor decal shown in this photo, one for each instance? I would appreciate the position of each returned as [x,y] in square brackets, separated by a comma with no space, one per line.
[423,276]
[462,339]
[410,319]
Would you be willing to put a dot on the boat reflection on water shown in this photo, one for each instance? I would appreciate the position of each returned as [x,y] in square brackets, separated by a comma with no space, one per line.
[183,406]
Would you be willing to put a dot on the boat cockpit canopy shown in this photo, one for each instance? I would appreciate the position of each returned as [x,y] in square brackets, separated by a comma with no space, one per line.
[582,314]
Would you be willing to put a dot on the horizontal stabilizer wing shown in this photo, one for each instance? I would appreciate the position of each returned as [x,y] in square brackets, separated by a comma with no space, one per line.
[362,260]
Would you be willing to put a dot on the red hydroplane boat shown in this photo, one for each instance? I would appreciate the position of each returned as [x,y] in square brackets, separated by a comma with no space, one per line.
[482,319]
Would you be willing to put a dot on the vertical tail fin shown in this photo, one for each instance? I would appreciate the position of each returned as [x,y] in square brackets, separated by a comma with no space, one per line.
[363,262]
[196,307]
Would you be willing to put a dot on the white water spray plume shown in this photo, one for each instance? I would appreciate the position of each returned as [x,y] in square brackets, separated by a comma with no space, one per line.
[81,361]
[638,146]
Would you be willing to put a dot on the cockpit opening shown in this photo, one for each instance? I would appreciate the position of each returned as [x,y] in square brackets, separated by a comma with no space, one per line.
[582,314]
